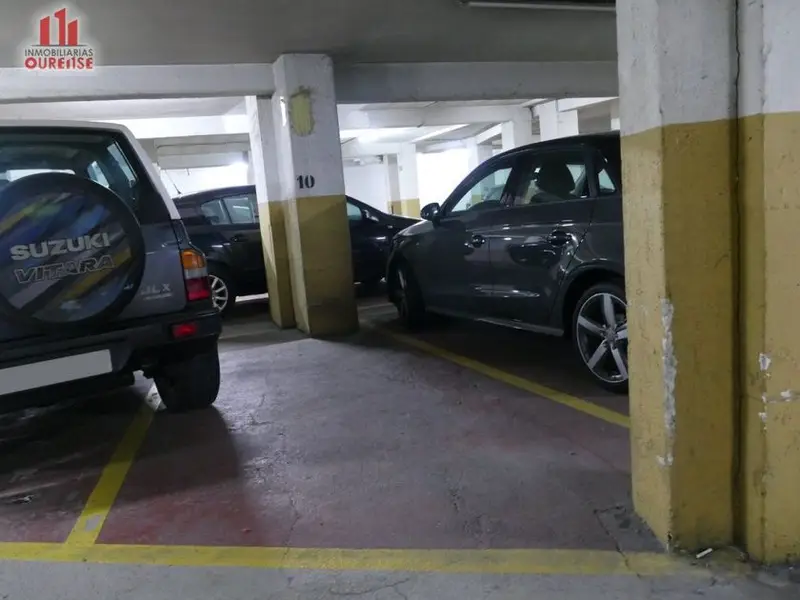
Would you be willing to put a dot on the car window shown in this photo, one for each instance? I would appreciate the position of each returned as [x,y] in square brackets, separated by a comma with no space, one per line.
[354,212]
[242,209]
[554,176]
[215,212]
[94,155]
[96,174]
[487,193]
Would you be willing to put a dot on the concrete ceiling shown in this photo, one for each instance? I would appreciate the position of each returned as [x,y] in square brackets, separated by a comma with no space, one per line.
[149,32]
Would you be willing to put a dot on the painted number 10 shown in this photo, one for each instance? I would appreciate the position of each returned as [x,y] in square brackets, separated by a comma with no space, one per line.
[305,182]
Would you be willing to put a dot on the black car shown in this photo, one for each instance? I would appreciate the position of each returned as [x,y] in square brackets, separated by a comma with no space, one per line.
[545,255]
[224,224]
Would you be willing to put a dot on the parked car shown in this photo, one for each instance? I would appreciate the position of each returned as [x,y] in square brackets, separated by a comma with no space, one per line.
[546,255]
[98,278]
[224,224]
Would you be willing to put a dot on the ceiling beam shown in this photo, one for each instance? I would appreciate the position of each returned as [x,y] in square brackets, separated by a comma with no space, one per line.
[415,82]
[126,82]
[489,134]
[355,83]
[432,116]
[566,104]
[356,149]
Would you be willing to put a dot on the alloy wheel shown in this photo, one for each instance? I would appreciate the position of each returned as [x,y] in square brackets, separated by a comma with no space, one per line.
[220,295]
[602,337]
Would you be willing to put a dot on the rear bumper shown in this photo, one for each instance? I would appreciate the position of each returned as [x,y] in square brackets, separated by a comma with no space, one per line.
[134,345]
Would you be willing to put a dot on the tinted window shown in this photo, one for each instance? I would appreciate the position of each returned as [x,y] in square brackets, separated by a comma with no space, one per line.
[554,176]
[487,193]
[353,212]
[607,172]
[215,212]
[97,155]
[242,209]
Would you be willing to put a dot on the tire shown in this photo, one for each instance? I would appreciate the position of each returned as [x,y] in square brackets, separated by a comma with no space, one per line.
[602,345]
[73,263]
[191,383]
[221,281]
[407,298]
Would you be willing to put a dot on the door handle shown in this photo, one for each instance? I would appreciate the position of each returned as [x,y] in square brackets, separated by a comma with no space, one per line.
[558,237]
[477,241]
[238,238]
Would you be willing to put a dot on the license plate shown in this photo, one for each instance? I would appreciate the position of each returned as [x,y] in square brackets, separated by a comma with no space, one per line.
[58,370]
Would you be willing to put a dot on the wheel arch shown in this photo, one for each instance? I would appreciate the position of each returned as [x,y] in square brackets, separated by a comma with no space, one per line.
[579,282]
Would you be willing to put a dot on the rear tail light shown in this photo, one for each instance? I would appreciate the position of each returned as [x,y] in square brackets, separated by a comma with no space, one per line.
[183,330]
[195,274]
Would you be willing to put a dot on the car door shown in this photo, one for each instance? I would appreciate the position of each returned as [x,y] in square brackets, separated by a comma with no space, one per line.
[552,209]
[243,233]
[456,273]
[369,240]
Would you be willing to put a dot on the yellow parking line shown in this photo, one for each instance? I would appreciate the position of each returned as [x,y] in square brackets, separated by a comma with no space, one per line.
[589,408]
[99,504]
[542,562]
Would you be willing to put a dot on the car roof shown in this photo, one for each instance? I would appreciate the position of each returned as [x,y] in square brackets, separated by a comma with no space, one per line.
[189,198]
[214,192]
[60,123]
[588,139]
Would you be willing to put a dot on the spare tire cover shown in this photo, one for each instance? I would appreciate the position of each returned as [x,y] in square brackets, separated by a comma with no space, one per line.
[71,251]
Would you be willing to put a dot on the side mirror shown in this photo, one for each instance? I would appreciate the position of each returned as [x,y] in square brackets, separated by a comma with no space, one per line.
[430,211]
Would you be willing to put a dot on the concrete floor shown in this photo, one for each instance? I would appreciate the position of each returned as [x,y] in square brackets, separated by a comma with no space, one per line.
[358,467]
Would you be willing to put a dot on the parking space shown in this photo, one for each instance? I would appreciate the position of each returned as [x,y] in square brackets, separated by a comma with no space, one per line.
[361,443]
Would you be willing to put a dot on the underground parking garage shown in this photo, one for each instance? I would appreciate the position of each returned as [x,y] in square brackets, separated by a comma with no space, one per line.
[447,433]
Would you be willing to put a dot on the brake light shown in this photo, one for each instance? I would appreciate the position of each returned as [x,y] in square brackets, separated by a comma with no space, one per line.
[195,275]
[182,330]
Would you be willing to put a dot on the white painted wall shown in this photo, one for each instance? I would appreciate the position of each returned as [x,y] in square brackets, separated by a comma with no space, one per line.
[440,173]
[368,183]
[186,181]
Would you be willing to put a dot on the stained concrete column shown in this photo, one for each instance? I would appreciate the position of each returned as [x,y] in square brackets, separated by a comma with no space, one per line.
[263,161]
[516,133]
[554,124]
[393,179]
[312,189]
[478,153]
[408,178]
[769,192]
[676,75]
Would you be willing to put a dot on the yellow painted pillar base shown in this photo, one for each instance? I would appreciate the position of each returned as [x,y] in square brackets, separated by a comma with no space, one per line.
[276,263]
[406,208]
[679,252]
[411,208]
[322,278]
[769,169]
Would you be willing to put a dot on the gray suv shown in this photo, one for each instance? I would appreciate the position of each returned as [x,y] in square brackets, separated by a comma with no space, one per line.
[98,278]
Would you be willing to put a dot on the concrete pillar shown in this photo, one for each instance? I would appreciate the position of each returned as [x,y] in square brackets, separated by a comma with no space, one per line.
[516,133]
[312,188]
[478,153]
[251,176]
[676,75]
[614,116]
[769,212]
[393,178]
[568,123]
[271,208]
[408,179]
[554,124]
